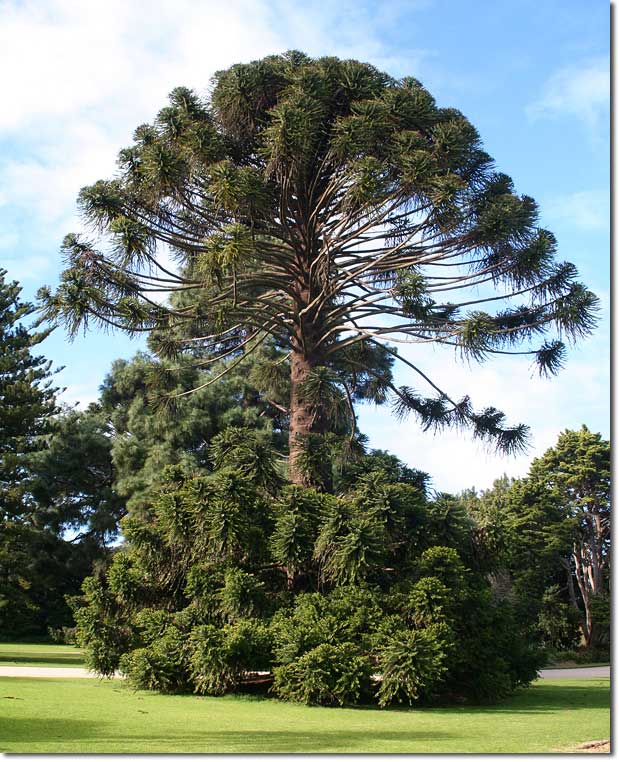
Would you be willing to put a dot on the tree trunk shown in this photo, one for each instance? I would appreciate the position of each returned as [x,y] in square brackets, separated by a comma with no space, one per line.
[305,420]
[581,578]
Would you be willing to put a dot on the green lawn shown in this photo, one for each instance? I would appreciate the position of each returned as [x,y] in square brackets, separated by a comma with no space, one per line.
[90,716]
[40,655]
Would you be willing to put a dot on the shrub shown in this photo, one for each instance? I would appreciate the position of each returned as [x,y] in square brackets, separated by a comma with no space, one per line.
[151,624]
[221,657]
[196,603]
[242,595]
[160,666]
[428,602]
[411,664]
[445,564]
[329,675]
[345,614]
[102,628]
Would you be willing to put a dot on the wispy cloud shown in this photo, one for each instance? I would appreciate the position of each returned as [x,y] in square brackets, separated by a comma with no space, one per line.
[80,76]
[588,210]
[580,90]
[579,394]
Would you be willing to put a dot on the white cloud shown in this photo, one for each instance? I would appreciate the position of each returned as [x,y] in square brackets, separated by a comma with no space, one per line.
[80,76]
[589,209]
[579,394]
[581,90]
[81,395]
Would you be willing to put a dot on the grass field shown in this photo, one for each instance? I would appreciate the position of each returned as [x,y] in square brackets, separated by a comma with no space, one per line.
[40,655]
[90,716]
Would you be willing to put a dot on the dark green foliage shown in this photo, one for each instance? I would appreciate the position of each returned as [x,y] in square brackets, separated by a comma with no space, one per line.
[549,536]
[242,595]
[162,665]
[37,570]
[298,514]
[331,675]
[102,622]
[384,462]
[148,437]
[73,477]
[28,400]
[227,583]
[411,664]
[248,453]
[558,622]
[53,478]
[346,614]
[221,657]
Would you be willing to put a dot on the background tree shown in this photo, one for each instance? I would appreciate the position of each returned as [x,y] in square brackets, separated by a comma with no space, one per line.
[146,438]
[37,567]
[28,398]
[546,540]
[328,206]
[73,482]
[575,473]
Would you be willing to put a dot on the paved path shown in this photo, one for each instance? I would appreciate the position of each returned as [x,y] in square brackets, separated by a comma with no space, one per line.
[574,672]
[9,671]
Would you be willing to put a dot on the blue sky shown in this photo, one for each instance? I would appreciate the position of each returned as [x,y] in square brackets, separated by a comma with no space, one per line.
[532,76]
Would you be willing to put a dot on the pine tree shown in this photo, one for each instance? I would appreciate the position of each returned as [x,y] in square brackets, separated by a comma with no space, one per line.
[28,399]
[35,570]
[327,206]
[575,474]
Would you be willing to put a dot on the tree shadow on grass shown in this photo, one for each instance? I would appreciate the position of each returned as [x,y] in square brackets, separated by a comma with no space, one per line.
[537,698]
[24,730]
[552,698]
[316,741]
[19,734]
[19,659]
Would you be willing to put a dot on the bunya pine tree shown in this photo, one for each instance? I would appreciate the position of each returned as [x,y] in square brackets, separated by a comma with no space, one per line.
[336,211]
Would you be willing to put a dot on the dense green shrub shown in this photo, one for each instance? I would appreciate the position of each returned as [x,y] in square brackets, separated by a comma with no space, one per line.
[411,664]
[346,614]
[161,666]
[331,675]
[102,627]
[221,657]
[333,600]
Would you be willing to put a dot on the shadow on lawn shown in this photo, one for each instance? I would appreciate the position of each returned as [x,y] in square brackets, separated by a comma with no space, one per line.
[551,698]
[25,730]
[95,736]
[537,698]
[309,742]
[532,700]
[18,659]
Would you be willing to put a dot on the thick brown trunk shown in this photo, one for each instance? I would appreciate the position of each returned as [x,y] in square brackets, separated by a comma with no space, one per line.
[305,419]
[301,416]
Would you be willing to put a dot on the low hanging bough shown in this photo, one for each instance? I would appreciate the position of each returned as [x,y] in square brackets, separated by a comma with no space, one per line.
[326,207]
